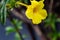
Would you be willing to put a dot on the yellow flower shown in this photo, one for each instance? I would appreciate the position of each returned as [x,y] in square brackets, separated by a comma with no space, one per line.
[35,11]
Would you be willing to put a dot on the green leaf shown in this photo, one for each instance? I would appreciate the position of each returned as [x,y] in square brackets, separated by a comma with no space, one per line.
[59,34]
[20,27]
[15,21]
[54,38]
[51,21]
[18,23]
[12,3]
[9,29]
[17,36]
[58,20]
[53,35]
[53,26]
[3,11]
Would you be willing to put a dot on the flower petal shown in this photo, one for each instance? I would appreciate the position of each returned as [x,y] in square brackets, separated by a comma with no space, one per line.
[41,0]
[29,12]
[34,3]
[41,4]
[36,19]
[43,14]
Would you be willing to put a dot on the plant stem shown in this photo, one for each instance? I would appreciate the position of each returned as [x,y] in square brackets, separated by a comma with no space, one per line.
[17,30]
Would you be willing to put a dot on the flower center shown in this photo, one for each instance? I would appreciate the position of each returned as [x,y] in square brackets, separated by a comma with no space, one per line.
[35,10]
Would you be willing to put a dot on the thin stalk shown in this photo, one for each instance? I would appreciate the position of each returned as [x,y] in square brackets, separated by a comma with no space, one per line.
[17,30]
[50,6]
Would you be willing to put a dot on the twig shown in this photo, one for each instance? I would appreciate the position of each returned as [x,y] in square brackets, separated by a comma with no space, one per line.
[19,15]
[50,6]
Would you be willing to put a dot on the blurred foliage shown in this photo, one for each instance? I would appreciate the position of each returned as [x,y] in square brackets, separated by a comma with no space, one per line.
[50,22]
[7,4]
[54,35]
[9,29]
[3,11]
[17,25]
[17,37]
[4,6]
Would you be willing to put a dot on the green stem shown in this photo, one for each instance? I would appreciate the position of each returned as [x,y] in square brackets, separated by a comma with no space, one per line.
[17,30]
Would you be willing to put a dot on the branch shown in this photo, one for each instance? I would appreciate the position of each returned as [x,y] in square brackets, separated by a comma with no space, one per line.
[50,6]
